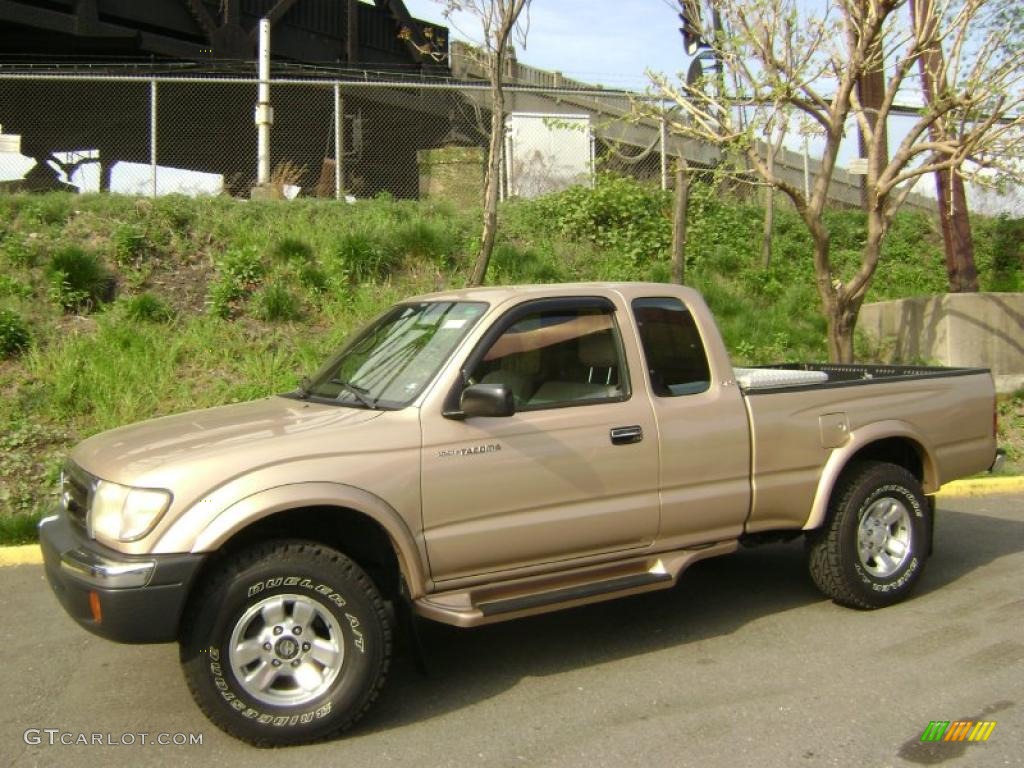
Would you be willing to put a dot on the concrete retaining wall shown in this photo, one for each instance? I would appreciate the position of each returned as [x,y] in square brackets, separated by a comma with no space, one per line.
[958,329]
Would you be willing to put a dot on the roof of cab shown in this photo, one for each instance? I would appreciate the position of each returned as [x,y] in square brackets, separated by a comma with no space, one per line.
[498,294]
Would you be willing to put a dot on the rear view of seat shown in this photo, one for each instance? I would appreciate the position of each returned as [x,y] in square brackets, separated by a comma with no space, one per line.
[599,357]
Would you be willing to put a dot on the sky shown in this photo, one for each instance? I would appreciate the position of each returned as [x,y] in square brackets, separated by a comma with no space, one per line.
[597,41]
[614,42]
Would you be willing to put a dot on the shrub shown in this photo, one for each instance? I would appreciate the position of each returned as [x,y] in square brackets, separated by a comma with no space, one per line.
[619,213]
[275,303]
[14,335]
[148,308]
[77,279]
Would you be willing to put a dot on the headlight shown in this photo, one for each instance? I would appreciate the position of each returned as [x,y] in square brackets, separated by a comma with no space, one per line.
[122,513]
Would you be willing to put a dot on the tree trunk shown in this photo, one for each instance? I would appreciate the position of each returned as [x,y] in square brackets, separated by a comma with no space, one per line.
[492,179]
[769,222]
[679,213]
[956,227]
[841,324]
[956,233]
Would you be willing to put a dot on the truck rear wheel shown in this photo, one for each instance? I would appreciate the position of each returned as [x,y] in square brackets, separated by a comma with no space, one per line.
[872,548]
[288,643]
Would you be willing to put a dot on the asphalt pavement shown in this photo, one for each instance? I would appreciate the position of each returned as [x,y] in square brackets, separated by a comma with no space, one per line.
[743,663]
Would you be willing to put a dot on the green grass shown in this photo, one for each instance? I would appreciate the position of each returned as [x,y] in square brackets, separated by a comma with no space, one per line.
[222,300]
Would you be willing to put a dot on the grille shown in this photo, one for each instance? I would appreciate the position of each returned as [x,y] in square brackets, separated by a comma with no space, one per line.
[76,493]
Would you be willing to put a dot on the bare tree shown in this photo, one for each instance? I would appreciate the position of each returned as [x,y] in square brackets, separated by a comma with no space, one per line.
[789,62]
[500,22]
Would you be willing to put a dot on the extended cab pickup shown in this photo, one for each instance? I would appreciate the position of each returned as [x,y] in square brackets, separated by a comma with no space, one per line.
[482,455]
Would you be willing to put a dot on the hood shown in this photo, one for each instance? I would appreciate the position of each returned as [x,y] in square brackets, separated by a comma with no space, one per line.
[222,440]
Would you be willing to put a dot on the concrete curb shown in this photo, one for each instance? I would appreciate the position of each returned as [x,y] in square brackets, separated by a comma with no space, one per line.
[30,554]
[26,554]
[982,486]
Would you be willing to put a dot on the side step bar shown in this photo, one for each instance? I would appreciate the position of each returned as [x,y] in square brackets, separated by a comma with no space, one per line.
[556,596]
[492,602]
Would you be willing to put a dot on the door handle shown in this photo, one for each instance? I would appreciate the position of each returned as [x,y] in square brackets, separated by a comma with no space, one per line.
[626,435]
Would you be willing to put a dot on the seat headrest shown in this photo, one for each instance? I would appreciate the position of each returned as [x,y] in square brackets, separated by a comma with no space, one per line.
[597,350]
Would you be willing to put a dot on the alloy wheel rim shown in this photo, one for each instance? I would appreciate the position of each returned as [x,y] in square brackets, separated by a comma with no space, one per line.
[286,650]
[883,537]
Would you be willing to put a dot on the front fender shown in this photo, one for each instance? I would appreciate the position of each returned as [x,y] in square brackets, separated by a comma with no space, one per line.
[244,512]
[860,439]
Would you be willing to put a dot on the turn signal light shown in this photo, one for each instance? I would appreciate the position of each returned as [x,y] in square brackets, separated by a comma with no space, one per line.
[94,606]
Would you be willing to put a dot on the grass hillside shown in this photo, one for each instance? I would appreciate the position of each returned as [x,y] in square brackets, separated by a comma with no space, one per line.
[116,309]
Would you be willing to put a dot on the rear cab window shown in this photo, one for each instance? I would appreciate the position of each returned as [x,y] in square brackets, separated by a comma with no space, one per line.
[674,354]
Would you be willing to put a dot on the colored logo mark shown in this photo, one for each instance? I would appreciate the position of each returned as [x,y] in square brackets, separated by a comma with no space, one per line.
[958,730]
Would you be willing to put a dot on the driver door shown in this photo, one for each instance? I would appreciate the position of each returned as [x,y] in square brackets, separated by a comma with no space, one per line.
[574,472]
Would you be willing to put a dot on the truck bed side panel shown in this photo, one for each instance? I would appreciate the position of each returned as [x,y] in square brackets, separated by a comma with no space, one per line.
[794,434]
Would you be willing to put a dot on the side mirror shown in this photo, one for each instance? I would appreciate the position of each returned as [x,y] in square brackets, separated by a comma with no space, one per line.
[487,400]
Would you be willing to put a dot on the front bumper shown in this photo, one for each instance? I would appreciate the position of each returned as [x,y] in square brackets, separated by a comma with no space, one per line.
[126,598]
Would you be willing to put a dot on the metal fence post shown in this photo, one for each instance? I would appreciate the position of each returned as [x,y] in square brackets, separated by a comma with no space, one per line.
[264,114]
[339,141]
[152,135]
[664,154]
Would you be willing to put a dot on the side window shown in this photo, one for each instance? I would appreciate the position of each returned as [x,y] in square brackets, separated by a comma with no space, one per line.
[676,361]
[554,357]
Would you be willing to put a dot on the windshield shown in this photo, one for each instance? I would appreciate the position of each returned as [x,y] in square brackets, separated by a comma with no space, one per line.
[393,359]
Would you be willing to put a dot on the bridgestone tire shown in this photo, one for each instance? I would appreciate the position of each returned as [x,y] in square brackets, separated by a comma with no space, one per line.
[872,548]
[287,643]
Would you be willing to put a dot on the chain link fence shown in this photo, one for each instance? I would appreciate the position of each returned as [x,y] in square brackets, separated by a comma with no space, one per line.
[161,135]
[154,135]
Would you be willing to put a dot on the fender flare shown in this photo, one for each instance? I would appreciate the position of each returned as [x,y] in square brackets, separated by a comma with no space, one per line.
[244,512]
[860,439]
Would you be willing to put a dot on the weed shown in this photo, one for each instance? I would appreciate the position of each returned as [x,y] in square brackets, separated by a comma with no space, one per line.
[243,266]
[128,243]
[148,308]
[224,298]
[11,286]
[18,251]
[14,334]
[77,279]
[275,303]
[362,255]
[291,249]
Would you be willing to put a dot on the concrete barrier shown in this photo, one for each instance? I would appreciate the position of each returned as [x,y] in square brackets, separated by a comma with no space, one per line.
[957,329]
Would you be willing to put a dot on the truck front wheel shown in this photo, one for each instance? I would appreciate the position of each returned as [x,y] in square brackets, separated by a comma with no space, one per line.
[288,643]
[872,548]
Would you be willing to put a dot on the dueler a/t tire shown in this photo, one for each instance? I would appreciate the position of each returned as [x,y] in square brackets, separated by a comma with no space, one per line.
[288,642]
[874,542]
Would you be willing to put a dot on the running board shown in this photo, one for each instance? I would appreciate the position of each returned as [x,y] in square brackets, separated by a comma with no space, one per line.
[511,599]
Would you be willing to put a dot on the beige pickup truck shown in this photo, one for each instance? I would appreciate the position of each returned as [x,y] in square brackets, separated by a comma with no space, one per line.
[482,455]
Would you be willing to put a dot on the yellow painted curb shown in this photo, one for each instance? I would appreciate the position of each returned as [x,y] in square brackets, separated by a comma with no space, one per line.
[27,554]
[982,486]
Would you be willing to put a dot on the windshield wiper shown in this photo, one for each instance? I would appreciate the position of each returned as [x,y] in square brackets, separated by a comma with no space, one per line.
[360,393]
